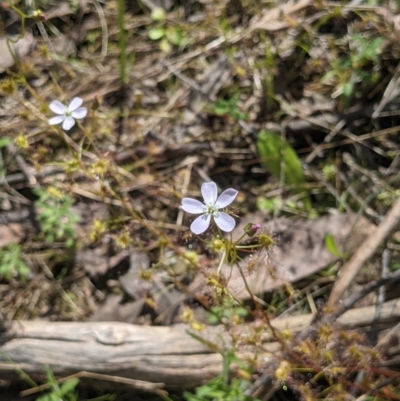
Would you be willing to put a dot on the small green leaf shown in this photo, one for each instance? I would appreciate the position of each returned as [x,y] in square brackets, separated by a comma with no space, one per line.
[156,33]
[348,88]
[191,397]
[12,263]
[330,245]
[5,142]
[158,14]
[275,152]
[269,205]
[48,397]
[68,386]
[50,376]
[174,36]
[165,46]
[220,107]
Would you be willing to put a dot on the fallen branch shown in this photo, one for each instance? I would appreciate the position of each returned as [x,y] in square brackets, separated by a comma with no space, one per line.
[364,252]
[155,355]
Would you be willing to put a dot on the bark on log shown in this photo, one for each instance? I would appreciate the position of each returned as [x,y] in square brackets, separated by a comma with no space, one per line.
[153,354]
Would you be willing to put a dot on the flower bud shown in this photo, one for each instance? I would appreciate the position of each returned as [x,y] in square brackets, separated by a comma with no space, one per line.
[217,245]
[251,228]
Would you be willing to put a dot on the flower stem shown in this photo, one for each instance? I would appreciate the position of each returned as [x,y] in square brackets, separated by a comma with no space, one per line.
[240,238]
[222,261]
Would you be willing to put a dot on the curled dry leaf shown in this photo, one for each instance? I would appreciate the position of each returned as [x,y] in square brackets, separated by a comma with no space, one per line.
[13,48]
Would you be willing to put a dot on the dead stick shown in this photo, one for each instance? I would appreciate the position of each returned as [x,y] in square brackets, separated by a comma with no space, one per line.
[366,250]
[136,384]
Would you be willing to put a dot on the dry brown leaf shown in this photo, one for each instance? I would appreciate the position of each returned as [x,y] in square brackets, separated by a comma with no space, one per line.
[113,309]
[276,18]
[11,233]
[300,250]
[164,4]
[97,262]
[12,48]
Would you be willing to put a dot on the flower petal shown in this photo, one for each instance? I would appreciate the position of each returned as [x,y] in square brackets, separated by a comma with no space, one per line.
[56,120]
[201,224]
[226,198]
[68,123]
[224,222]
[209,191]
[79,113]
[192,206]
[57,107]
[75,103]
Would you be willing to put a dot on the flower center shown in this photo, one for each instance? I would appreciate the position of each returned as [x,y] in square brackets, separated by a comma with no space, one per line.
[211,209]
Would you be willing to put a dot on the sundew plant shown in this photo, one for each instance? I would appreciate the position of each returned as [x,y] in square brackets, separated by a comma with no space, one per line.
[210,213]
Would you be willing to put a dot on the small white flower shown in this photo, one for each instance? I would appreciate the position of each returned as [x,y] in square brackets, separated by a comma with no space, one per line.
[67,115]
[210,208]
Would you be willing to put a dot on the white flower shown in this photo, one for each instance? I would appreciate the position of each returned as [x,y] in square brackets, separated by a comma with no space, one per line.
[67,115]
[210,208]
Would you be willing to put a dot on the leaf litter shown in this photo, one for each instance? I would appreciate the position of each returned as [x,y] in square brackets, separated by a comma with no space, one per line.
[322,79]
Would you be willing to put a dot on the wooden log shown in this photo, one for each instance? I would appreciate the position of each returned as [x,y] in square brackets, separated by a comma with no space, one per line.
[153,354]
[166,355]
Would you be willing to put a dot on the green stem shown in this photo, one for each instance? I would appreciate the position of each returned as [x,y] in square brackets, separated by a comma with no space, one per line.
[23,18]
[222,261]
[122,41]
[239,239]
[248,246]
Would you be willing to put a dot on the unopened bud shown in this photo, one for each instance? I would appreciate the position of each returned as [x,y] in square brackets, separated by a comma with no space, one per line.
[218,245]
[39,15]
[251,228]
[96,103]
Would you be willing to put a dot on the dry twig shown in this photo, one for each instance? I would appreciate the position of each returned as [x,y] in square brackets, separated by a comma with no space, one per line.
[366,250]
